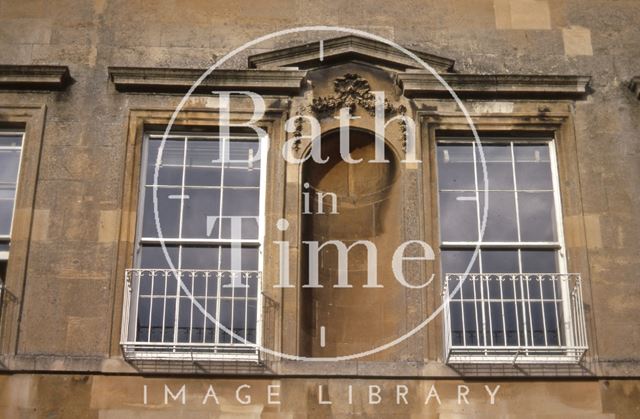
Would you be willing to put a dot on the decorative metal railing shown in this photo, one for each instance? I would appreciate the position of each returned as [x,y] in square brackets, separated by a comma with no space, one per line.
[197,315]
[514,318]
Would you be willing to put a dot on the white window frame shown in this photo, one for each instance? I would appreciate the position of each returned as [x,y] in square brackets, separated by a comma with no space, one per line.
[141,240]
[558,245]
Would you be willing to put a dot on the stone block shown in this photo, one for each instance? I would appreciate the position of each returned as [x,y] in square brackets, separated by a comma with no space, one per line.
[522,14]
[577,41]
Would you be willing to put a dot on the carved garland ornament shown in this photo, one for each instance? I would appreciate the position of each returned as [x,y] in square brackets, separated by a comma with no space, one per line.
[351,91]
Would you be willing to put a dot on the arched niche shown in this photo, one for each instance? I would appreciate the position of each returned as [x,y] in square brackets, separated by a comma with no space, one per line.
[369,207]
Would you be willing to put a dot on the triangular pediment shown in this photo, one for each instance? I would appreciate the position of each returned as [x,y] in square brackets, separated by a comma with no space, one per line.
[344,49]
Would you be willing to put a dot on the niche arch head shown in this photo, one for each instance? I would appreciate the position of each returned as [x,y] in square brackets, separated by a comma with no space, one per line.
[351,181]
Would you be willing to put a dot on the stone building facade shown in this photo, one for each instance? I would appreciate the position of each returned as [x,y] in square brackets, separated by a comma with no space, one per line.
[527,307]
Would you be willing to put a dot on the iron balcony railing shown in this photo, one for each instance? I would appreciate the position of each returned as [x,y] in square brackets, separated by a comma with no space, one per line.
[164,315]
[498,318]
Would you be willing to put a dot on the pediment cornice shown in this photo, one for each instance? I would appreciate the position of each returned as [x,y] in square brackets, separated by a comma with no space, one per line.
[345,49]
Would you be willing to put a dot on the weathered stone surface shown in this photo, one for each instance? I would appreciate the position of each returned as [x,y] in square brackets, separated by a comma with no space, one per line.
[75,230]
[72,396]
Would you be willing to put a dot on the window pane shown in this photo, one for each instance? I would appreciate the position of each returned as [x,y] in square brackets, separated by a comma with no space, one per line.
[248,258]
[203,176]
[533,167]
[537,323]
[167,175]
[184,319]
[6,214]
[237,175]
[457,261]
[201,281]
[204,152]
[537,218]
[458,216]
[225,320]
[552,319]
[239,319]
[203,163]
[3,271]
[495,153]
[500,261]
[457,331]
[200,257]
[240,202]
[171,161]
[243,168]
[471,322]
[252,280]
[211,325]
[512,323]
[201,203]
[494,313]
[244,151]
[539,261]
[169,320]
[455,167]
[10,140]
[168,212]
[500,176]
[498,164]
[251,320]
[144,306]
[501,217]
[153,257]
[157,319]
[248,228]
[186,283]
[197,321]
[9,163]
[7,192]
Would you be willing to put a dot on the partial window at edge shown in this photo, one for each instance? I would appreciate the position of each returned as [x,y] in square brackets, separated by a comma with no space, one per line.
[10,154]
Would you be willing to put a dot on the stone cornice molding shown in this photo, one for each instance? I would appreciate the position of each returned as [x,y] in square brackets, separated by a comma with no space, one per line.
[514,86]
[415,84]
[34,77]
[177,80]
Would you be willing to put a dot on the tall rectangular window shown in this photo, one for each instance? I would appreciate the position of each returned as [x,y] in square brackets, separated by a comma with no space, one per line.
[10,153]
[208,214]
[516,294]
